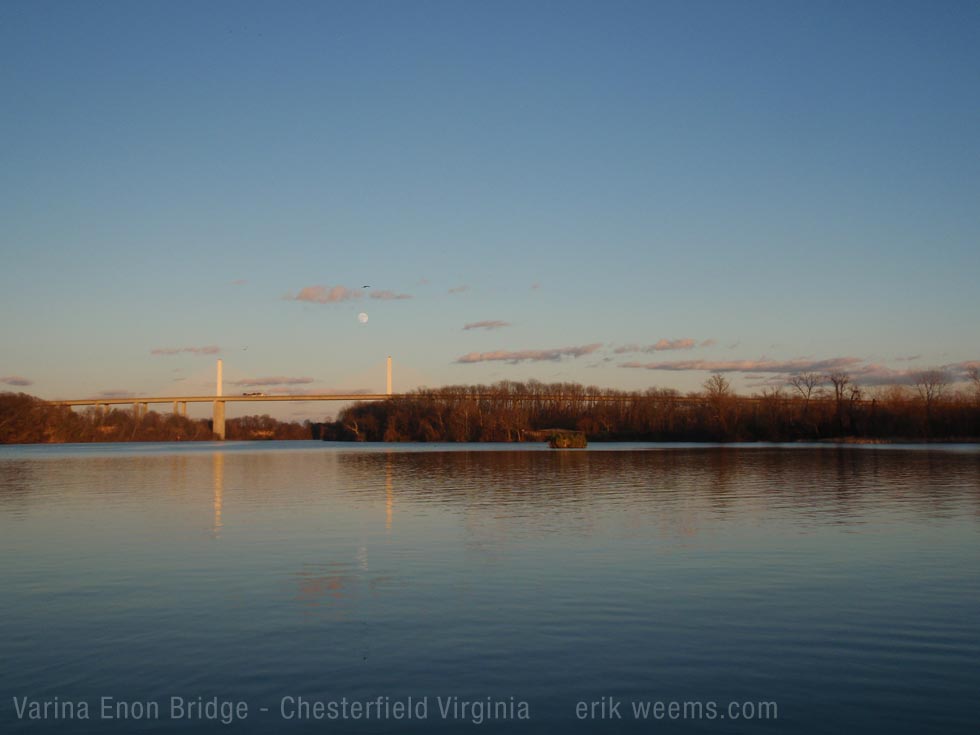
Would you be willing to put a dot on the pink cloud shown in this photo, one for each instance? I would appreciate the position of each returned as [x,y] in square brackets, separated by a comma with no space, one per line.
[206,350]
[325,294]
[495,324]
[239,282]
[16,380]
[664,345]
[318,391]
[389,295]
[754,366]
[515,357]
[459,289]
[860,371]
[275,380]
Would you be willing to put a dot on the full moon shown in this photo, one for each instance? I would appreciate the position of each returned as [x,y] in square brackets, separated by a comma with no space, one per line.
[362,318]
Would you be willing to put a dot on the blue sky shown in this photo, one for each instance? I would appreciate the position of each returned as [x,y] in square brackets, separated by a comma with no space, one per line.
[755,184]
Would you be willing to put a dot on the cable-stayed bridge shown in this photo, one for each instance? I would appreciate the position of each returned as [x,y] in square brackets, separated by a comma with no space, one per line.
[141,404]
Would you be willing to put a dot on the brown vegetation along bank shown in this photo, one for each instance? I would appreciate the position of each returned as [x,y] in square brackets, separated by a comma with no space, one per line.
[809,407]
[25,419]
[511,411]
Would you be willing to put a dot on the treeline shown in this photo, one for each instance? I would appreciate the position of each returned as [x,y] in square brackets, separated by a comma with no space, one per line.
[816,410]
[809,407]
[25,419]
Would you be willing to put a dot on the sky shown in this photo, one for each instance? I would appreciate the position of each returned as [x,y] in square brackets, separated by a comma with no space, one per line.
[622,194]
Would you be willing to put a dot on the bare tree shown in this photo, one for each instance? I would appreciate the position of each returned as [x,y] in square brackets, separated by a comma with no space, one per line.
[930,385]
[806,385]
[974,375]
[720,396]
[840,380]
[717,386]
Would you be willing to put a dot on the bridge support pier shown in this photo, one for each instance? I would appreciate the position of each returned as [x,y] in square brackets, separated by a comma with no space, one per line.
[183,409]
[176,408]
[218,419]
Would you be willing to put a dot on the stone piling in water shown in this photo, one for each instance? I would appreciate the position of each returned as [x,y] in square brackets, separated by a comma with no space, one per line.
[568,440]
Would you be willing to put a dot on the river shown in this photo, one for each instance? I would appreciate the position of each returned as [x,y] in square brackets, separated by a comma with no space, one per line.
[489,588]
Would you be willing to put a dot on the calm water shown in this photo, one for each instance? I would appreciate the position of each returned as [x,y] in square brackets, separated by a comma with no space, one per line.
[842,584]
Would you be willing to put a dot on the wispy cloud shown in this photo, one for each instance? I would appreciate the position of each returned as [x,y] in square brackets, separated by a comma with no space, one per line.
[494,324]
[206,350]
[16,380]
[319,391]
[763,371]
[663,345]
[239,282]
[535,286]
[325,294]
[754,366]
[389,295]
[274,380]
[459,289]
[517,356]
[117,393]
[908,358]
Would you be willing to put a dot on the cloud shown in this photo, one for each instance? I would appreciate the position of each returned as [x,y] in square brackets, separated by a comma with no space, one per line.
[846,364]
[762,371]
[206,350]
[663,345]
[708,343]
[239,282]
[874,374]
[495,324]
[16,380]
[275,380]
[535,286]
[908,358]
[459,289]
[325,294]
[515,357]
[117,393]
[319,391]
[389,295]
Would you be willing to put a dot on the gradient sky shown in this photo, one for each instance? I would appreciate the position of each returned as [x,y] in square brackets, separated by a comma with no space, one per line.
[737,186]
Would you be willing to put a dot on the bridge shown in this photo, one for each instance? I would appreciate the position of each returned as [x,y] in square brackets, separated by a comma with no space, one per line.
[140,404]
[218,401]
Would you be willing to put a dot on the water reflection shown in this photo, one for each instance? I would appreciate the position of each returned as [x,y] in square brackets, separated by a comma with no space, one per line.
[389,494]
[218,485]
[843,483]
[779,573]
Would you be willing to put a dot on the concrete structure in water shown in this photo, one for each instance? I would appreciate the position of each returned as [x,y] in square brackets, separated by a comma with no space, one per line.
[218,410]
